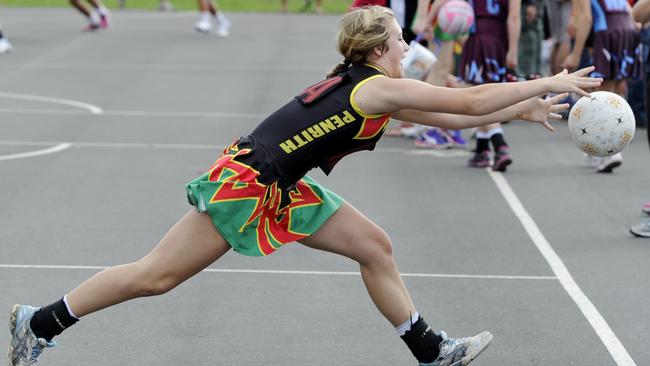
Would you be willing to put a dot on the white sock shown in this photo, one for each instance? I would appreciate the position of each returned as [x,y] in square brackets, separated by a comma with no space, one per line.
[102,10]
[205,16]
[494,131]
[406,326]
[482,135]
[94,17]
[220,17]
[65,301]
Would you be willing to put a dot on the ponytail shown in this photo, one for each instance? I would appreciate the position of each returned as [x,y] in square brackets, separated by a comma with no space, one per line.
[343,66]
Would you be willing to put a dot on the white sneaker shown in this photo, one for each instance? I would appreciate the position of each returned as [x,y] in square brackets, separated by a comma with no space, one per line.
[223,27]
[460,351]
[203,26]
[25,347]
[642,230]
[5,46]
[607,164]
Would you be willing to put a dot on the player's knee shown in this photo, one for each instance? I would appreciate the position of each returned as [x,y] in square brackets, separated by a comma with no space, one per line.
[160,285]
[152,281]
[381,248]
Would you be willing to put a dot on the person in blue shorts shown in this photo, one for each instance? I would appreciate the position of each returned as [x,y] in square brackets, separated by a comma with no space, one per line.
[258,197]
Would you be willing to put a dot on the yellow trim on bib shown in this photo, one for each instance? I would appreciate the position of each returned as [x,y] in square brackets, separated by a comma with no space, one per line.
[354,102]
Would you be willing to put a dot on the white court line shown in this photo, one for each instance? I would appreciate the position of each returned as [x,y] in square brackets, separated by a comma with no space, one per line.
[136,113]
[31,154]
[92,108]
[290,272]
[598,323]
[124,113]
[141,145]
[118,145]
[265,68]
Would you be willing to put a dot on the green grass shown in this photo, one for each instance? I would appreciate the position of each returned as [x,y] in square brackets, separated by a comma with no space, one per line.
[329,6]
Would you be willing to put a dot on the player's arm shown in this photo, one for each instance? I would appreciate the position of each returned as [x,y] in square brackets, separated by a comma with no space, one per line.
[514,31]
[581,23]
[641,11]
[533,110]
[388,95]
[424,18]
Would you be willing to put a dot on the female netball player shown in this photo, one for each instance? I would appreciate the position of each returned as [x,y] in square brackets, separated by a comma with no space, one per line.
[256,197]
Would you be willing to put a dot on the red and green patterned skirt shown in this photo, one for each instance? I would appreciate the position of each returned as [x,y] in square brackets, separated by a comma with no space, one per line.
[256,219]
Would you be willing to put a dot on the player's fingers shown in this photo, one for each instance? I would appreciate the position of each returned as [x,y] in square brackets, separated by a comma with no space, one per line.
[581,92]
[548,126]
[556,98]
[584,71]
[560,107]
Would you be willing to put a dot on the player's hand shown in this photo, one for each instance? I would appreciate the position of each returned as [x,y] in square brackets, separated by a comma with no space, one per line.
[511,59]
[574,82]
[422,27]
[538,110]
[571,62]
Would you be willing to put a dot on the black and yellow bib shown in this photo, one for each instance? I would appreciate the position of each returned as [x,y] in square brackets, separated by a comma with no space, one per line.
[257,194]
[315,129]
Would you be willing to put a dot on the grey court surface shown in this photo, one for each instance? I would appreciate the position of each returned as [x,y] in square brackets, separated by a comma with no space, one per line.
[99,132]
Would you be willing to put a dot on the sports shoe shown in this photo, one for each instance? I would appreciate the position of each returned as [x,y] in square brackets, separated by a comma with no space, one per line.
[460,351]
[404,129]
[25,347]
[642,230]
[607,164]
[501,160]
[223,27]
[103,21]
[480,160]
[91,27]
[432,139]
[410,131]
[5,46]
[203,26]
[456,139]
[646,208]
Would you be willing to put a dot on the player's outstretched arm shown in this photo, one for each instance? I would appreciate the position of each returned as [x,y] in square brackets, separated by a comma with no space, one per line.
[534,110]
[386,95]
[641,11]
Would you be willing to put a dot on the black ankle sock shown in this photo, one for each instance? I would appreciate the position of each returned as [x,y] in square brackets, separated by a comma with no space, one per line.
[482,145]
[51,320]
[422,341]
[498,141]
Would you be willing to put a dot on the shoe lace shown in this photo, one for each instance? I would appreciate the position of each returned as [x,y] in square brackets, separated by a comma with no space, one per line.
[38,348]
[452,349]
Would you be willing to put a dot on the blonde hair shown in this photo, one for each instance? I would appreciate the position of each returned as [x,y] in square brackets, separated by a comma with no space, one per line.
[362,30]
